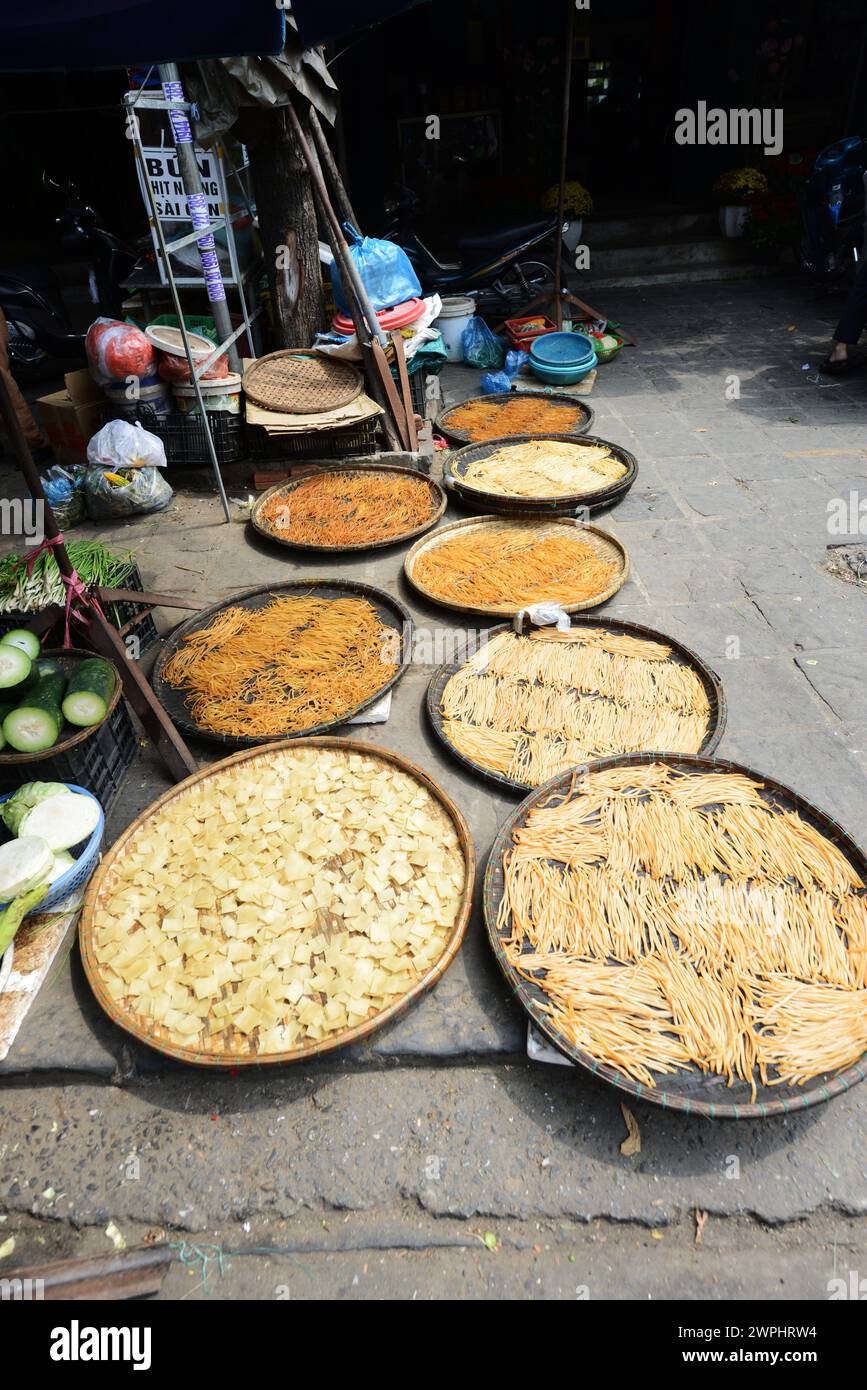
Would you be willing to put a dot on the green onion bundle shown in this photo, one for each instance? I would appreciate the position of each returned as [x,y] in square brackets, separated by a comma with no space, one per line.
[94,563]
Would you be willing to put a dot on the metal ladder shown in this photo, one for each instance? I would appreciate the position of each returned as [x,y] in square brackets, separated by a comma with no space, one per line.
[204,227]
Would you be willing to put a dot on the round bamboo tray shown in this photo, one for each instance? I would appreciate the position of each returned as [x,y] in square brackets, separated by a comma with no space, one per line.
[607,546]
[455,435]
[347,1036]
[682,654]
[300,381]
[509,504]
[390,611]
[689,1090]
[69,658]
[438,498]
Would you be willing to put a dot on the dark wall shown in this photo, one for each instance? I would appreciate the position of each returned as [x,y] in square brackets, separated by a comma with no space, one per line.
[807,57]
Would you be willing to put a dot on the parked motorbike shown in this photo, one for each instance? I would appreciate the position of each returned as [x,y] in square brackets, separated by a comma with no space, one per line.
[30,294]
[833,210]
[503,268]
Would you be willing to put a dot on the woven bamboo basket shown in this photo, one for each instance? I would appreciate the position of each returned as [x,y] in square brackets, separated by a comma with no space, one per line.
[605,545]
[479,499]
[390,610]
[339,1040]
[438,500]
[455,435]
[682,654]
[689,1091]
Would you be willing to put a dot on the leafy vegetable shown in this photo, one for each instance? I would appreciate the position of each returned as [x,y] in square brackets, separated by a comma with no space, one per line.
[93,562]
[27,796]
[12,916]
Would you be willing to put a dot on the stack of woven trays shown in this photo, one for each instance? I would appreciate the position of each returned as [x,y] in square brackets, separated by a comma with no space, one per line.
[300,401]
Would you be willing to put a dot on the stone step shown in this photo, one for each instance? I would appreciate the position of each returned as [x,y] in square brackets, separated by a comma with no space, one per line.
[633,259]
[677,273]
[646,228]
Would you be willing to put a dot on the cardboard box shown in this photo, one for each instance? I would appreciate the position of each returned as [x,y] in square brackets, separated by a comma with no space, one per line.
[71,417]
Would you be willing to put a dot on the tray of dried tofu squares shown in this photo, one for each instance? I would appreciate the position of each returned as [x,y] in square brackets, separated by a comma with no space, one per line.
[279,904]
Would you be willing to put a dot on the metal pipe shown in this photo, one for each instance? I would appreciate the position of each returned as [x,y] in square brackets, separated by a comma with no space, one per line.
[197,204]
[564,150]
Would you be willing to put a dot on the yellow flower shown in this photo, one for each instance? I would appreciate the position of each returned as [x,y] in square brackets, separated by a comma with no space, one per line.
[744,182]
[578,202]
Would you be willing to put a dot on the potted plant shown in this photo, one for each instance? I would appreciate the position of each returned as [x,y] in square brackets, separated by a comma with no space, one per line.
[771,225]
[578,204]
[736,189]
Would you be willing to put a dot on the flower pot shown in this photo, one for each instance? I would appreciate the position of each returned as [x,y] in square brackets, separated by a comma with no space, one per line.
[731,220]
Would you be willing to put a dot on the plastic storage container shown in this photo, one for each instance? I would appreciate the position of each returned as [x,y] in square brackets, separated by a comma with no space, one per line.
[454,316]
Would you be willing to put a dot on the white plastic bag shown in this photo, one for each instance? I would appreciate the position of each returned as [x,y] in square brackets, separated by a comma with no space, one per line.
[543,615]
[120,444]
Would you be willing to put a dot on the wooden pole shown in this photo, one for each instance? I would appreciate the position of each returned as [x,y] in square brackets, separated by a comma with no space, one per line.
[564,151]
[100,634]
[329,164]
[367,325]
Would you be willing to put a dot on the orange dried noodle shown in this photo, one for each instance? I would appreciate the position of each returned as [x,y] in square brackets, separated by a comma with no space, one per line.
[527,414]
[514,565]
[349,509]
[289,666]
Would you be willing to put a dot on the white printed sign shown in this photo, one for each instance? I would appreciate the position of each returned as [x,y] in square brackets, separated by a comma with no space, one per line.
[161,167]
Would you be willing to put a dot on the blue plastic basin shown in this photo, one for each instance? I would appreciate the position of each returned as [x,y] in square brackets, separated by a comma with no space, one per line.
[562,350]
[562,376]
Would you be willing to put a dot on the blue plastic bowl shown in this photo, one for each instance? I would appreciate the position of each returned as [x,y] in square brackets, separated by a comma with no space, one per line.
[562,376]
[84,865]
[562,350]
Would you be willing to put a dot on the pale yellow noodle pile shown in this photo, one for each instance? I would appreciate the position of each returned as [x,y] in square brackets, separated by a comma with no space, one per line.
[531,706]
[674,919]
[545,468]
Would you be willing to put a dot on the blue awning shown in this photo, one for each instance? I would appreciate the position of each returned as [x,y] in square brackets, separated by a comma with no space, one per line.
[71,35]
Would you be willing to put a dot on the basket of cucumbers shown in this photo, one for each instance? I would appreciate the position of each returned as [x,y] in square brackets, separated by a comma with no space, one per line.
[61,715]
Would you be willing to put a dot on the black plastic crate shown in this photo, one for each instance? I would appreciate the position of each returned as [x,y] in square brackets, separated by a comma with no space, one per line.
[417,384]
[98,763]
[185,441]
[118,615]
[360,438]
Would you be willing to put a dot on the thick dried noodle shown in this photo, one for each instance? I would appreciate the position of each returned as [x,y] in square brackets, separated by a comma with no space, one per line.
[675,919]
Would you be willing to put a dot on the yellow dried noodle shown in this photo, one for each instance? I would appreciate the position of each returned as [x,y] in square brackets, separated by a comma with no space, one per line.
[675,919]
[291,665]
[512,565]
[545,468]
[528,707]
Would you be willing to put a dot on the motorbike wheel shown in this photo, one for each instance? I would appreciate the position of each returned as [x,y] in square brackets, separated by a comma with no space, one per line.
[522,282]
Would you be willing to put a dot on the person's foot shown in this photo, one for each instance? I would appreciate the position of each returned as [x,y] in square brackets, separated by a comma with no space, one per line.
[839,361]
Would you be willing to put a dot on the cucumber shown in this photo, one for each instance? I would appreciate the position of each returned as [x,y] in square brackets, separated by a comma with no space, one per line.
[5,708]
[46,665]
[89,692]
[22,638]
[15,667]
[35,723]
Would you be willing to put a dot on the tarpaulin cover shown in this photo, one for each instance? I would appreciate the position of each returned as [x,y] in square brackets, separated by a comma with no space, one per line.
[67,35]
[321,20]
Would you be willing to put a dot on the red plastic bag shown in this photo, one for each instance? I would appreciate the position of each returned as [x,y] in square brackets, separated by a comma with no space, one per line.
[175,368]
[117,350]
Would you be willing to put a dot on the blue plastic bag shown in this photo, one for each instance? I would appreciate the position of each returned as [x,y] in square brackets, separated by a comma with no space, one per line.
[515,360]
[481,347]
[494,382]
[385,270]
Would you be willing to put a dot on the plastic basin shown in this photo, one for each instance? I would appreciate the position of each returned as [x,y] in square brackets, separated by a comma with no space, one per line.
[562,350]
[85,861]
[562,376]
